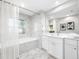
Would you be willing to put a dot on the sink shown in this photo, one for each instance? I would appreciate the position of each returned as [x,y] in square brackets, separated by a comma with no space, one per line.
[63,35]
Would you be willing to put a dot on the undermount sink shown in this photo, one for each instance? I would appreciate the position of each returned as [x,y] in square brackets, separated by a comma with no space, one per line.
[68,35]
[64,35]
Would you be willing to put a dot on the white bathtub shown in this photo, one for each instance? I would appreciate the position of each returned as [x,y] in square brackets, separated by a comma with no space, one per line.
[9,43]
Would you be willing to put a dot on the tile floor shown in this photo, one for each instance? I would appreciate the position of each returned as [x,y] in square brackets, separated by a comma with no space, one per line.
[36,54]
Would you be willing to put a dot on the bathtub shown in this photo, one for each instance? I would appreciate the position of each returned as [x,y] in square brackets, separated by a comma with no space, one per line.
[9,43]
[29,45]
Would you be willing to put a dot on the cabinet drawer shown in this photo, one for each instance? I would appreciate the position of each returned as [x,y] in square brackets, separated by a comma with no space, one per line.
[70,42]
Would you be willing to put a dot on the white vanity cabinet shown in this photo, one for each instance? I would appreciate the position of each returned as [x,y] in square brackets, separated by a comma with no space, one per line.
[45,43]
[10,52]
[54,46]
[70,49]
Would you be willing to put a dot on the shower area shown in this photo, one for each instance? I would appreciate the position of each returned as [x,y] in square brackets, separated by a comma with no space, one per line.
[25,34]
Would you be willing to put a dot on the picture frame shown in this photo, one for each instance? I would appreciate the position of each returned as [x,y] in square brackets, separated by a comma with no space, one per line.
[70,26]
[51,29]
[63,27]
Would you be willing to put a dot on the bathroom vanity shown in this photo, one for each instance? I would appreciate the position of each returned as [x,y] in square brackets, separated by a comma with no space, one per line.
[61,47]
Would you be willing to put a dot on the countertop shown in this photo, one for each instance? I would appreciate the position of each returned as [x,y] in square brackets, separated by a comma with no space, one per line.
[63,36]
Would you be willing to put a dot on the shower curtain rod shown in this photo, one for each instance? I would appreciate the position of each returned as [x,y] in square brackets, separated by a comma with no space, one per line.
[18,6]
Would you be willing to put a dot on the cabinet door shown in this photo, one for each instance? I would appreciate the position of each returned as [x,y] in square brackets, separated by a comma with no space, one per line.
[48,45]
[54,46]
[70,49]
[45,43]
[59,48]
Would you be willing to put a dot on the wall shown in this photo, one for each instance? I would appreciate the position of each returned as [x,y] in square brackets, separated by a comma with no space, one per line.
[74,19]
[38,24]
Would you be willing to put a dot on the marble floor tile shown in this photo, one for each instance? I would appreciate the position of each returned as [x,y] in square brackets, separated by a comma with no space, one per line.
[36,54]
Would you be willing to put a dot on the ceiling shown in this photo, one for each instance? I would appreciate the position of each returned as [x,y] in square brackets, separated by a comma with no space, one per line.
[48,6]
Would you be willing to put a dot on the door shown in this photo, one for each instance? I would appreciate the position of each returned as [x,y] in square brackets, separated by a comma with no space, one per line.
[70,49]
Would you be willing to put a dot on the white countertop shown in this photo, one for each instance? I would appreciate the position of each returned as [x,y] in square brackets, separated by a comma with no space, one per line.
[63,35]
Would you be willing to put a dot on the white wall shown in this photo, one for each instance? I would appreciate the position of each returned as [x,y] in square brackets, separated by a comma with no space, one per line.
[74,19]
[38,24]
